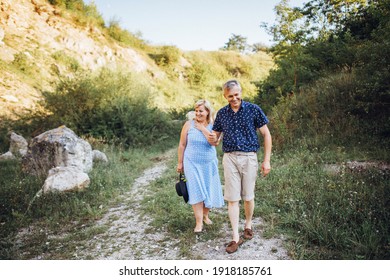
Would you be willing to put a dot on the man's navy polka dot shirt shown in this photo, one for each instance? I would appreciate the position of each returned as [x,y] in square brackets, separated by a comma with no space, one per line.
[239,129]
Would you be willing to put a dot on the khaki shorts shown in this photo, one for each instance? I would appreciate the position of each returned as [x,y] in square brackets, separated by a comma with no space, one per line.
[240,172]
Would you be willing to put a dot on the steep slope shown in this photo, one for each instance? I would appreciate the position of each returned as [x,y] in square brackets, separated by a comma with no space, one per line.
[41,43]
[38,44]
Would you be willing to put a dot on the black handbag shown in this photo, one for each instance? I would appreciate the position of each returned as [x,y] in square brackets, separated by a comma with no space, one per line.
[181,187]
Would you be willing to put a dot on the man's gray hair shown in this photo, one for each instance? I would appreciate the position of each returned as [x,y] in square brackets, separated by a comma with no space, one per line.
[230,84]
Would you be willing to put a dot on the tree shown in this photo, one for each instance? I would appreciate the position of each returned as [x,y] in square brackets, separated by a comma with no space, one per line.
[325,16]
[236,43]
[259,47]
[290,33]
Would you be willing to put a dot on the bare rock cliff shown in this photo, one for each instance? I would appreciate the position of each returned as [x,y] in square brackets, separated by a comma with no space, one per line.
[35,31]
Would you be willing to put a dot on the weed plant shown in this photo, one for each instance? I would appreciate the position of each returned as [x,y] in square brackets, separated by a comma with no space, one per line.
[165,55]
[69,62]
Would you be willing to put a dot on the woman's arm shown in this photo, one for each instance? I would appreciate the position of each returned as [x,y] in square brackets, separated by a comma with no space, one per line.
[203,129]
[182,147]
[213,137]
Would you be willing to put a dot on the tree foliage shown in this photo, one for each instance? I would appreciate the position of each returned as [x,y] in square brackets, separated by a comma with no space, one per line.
[236,43]
[329,37]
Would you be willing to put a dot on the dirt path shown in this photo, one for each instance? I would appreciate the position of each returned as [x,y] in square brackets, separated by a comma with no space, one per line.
[126,233]
[129,235]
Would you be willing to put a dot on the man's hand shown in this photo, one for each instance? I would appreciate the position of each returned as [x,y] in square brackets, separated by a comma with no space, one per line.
[265,168]
[212,138]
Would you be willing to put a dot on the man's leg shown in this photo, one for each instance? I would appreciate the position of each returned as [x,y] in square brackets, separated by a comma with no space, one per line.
[234,217]
[249,181]
[233,196]
[249,207]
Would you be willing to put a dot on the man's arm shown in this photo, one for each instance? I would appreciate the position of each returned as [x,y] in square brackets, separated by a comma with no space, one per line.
[266,165]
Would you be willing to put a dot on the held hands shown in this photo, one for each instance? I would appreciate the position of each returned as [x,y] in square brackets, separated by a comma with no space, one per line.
[265,168]
[212,139]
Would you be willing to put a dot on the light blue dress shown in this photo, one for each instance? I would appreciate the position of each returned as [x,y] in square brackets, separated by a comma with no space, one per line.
[201,170]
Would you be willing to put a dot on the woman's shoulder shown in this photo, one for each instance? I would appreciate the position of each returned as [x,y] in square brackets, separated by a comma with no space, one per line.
[188,124]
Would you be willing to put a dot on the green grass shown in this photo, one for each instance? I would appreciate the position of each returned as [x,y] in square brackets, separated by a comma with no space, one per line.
[324,215]
[64,212]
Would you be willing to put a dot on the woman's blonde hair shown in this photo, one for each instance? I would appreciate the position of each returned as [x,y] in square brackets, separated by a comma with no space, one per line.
[209,109]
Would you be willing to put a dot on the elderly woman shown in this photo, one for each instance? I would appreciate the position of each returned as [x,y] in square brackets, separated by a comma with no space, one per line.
[198,160]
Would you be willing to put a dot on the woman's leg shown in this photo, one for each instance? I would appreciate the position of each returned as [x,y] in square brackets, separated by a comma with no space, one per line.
[206,218]
[198,212]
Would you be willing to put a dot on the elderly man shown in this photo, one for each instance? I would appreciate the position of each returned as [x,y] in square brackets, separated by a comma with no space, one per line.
[238,123]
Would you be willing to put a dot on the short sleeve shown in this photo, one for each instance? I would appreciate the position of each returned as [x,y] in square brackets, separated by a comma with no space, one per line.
[260,118]
[217,126]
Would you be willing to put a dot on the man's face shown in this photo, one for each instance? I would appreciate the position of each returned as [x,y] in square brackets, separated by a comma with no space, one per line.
[233,96]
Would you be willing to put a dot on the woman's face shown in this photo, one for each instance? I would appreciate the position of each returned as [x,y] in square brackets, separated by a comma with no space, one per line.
[201,113]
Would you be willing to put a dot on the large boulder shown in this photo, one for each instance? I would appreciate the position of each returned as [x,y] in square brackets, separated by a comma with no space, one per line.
[64,179]
[59,147]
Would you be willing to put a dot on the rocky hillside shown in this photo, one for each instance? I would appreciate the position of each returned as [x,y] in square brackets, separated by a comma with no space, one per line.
[41,43]
[34,36]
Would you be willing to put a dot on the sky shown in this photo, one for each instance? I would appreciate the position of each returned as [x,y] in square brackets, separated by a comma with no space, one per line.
[193,24]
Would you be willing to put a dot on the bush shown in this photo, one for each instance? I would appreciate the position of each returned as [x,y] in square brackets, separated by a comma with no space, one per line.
[111,105]
[70,62]
[25,64]
[321,113]
[166,55]
[199,74]
[124,36]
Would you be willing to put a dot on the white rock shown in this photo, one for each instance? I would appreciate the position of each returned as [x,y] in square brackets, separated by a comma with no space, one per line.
[65,179]
[98,156]
[18,145]
[57,147]
[7,156]
[10,98]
